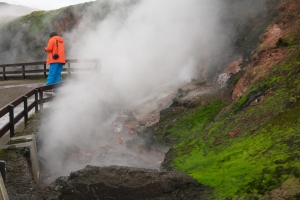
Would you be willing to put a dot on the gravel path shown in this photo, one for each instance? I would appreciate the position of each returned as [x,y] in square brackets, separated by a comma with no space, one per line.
[12,89]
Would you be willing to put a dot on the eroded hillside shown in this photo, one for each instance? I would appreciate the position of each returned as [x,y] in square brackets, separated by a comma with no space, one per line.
[247,147]
[243,140]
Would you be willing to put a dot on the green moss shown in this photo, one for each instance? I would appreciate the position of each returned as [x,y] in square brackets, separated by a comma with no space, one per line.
[264,153]
[193,122]
[250,165]
[240,102]
[36,21]
[246,99]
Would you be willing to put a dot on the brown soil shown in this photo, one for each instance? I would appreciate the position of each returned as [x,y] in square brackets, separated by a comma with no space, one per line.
[19,182]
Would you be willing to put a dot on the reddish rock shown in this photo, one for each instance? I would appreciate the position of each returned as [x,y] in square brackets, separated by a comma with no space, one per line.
[234,67]
[240,88]
[234,133]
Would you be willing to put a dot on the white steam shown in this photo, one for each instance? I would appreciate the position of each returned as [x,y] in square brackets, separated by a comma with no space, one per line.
[147,48]
[8,12]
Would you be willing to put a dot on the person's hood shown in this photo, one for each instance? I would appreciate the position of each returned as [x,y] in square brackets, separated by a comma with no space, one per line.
[58,38]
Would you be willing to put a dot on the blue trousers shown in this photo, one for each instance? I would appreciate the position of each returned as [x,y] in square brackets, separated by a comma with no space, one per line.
[54,73]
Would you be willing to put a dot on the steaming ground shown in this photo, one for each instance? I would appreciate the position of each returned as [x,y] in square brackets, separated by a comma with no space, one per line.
[85,127]
[147,50]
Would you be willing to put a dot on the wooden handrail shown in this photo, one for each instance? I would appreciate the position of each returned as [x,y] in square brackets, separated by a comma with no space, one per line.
[44,70]
[38,101]
[21,64]
[9,109]
[43,62]
[37,93]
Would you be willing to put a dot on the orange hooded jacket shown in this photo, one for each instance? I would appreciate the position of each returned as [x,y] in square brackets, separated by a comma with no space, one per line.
[52,49]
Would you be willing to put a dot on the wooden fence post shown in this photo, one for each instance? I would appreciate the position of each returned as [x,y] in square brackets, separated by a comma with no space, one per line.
[11,120]
[45,70]
[25,100]
[23,67]
[41,98]
[36,100]
[2,169]
[4,77]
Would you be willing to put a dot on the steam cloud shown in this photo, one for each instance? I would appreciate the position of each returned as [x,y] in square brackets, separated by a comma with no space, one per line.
[9,12]
[147,49]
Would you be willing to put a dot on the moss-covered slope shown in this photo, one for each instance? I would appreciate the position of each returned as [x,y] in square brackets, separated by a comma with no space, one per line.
[251,147]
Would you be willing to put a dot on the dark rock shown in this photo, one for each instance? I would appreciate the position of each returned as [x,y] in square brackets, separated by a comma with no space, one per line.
[116,182]
[282,43]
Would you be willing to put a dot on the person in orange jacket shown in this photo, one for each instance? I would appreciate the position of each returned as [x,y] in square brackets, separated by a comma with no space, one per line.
[56,58]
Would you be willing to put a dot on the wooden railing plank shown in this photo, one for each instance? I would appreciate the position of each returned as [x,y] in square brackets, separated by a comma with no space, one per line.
[4,129]
[19,117]
[3,111]
[25,72]
[31,106]
[29,94]
[21,64]
[44,69]
[17,102]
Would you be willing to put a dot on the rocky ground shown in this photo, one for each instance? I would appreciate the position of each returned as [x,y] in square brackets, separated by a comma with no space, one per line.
[116,182]
[96,182]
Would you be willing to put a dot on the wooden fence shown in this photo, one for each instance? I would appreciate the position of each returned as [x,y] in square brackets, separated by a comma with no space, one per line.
[37,104]
[67,68]
[37,92]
